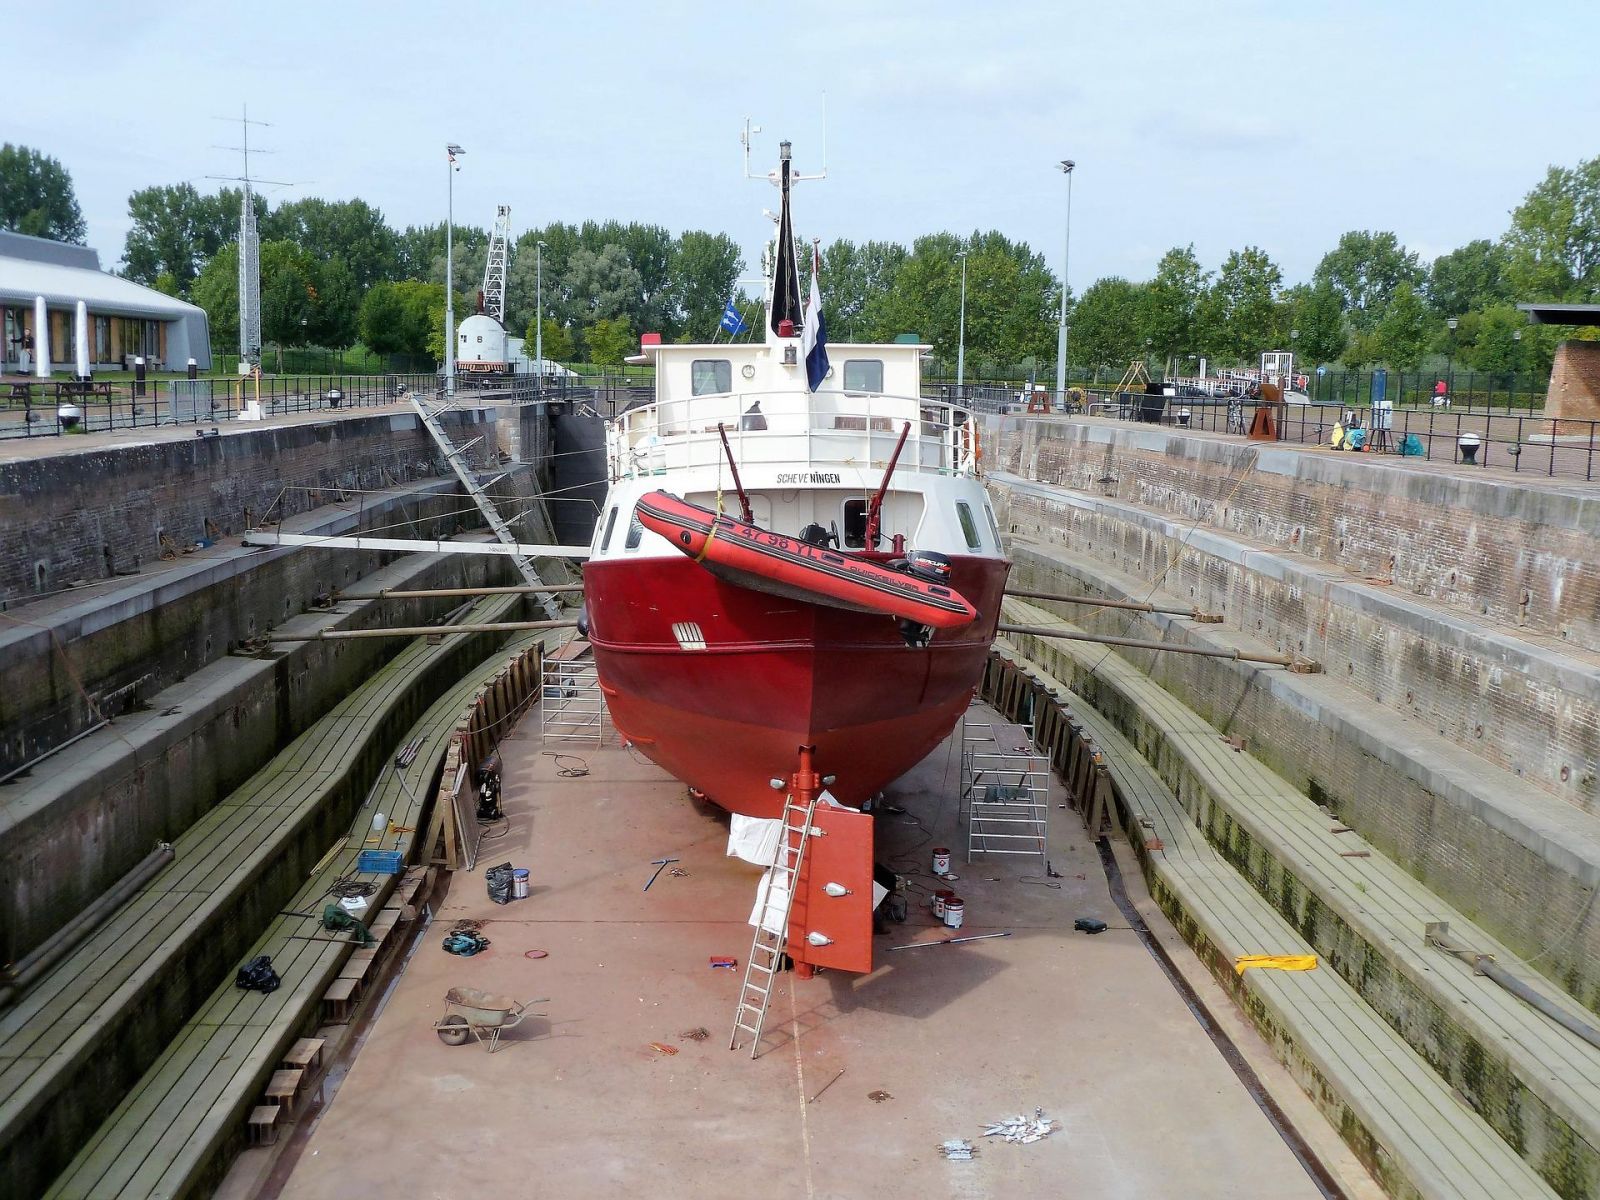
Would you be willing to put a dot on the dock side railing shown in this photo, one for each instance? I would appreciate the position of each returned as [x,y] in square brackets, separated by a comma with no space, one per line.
[1556,447]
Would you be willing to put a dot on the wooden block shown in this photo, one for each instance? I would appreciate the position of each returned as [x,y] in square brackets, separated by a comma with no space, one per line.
[338,1000]
[284,1089]
[305,1055]
[262,1127]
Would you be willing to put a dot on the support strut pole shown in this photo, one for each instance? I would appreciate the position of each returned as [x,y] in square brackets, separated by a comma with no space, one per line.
[744,501]
[875,509]
[333,635]
[1097,602]
[520,589]
[1276,660]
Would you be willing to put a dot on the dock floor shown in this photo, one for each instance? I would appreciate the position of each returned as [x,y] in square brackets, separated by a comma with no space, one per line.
[580,1103]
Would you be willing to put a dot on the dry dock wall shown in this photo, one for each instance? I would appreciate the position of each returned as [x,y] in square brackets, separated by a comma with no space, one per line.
[1519,552]
[1491,801]
[107,654]
[71,828]
[89,514]
[1472,605]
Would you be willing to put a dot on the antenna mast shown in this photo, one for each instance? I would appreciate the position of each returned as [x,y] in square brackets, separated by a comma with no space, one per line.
[249,244]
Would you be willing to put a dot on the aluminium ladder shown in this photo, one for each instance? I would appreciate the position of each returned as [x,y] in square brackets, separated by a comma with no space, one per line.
[456,456]
[767,947]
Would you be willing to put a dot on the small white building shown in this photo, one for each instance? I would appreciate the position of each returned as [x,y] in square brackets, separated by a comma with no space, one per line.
[126,319]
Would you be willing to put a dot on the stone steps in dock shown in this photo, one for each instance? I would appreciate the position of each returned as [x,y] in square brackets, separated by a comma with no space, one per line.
[1533,1082]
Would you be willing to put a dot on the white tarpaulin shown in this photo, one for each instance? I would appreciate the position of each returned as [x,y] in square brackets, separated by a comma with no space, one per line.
[754,839]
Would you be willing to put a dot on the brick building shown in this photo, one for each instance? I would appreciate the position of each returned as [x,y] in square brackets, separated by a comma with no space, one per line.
[125,318]
[1575,375]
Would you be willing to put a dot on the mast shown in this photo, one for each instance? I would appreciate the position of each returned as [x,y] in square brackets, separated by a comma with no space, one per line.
[785,304]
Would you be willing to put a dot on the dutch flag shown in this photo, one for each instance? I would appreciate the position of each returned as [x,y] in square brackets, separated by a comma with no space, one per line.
[814,339]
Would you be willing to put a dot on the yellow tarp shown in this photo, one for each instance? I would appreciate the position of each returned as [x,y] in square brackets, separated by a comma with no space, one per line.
[1276,962]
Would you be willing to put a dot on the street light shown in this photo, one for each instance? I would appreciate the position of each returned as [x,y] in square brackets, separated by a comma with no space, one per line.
[1516,358]
[538,311]
[1061,329]
[961,342]
[1450,354]
[451,152]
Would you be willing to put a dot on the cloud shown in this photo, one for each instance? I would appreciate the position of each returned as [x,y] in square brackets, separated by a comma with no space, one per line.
[1213,133]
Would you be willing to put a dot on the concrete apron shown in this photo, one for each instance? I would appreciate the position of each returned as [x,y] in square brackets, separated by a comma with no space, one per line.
[580,1103]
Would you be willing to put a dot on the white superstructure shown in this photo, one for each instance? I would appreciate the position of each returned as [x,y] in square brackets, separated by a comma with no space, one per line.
[804,458]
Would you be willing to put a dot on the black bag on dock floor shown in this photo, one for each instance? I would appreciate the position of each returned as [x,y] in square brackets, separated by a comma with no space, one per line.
[257,975]
[500,883]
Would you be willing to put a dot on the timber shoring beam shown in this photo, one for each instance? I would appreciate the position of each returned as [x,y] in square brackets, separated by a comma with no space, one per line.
[521,589]
[332,635]
[1276,660]
[1194,614]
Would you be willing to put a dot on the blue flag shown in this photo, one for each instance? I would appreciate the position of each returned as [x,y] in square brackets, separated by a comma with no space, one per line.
[814,341]
[731,320]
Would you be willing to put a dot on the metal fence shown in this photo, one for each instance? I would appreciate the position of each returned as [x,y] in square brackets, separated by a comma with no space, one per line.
[316,360]
[65,408]
[1548,446]
[56,408]
[1469,391]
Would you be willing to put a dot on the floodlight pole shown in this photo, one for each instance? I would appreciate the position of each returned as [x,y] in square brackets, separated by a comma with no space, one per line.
[451,150]
[961,340]
[538,311]
[1061,329]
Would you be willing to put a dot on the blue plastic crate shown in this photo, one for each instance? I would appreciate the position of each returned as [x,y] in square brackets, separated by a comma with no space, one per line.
[379,862]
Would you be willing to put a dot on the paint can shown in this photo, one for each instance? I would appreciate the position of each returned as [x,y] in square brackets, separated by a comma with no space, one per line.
[941,860]
[955,910]
[519,883]
[940,898]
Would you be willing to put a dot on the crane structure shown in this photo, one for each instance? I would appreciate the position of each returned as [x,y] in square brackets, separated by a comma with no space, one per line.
[494,269]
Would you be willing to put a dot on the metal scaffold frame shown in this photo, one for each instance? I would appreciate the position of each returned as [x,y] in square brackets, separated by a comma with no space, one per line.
[1005,789]
[572,708]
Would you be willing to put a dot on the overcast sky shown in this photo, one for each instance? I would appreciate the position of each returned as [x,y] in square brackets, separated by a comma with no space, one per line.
[1223,124]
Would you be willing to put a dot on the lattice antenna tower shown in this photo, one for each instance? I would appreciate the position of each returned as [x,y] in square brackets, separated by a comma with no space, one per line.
[249,243]
[494,270]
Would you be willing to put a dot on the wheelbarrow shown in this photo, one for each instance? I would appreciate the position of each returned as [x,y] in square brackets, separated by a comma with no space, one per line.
[482,1015]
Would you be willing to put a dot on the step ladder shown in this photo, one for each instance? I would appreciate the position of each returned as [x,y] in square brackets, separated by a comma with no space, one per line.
[766,947]
[456,456]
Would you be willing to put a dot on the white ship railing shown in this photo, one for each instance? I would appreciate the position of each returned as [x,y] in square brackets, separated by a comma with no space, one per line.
[785,428]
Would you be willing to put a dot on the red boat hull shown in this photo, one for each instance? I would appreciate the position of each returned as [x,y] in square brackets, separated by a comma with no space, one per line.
[777,674]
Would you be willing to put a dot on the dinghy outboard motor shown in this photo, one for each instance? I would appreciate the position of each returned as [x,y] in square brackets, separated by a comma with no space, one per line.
[816,535]
[929,565]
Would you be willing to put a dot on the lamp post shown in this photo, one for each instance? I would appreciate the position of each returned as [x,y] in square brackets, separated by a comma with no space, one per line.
[451,152]
[1061,329]
[538,311]
[1516,362]
[961,339]
[1450,355]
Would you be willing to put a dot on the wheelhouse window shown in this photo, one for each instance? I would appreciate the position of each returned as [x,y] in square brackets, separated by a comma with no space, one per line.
[635,532]
[969,527]
[863,375]
[710,377]
[855,523]
[611,525]
[994,527]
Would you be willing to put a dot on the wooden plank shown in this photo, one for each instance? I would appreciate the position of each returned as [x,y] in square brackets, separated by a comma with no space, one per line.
[263,1025]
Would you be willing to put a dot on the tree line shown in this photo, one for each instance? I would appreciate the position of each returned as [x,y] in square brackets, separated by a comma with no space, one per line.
[1370,301]
[336,274]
